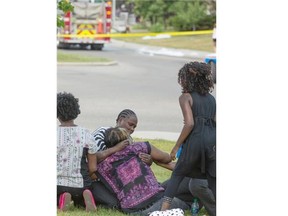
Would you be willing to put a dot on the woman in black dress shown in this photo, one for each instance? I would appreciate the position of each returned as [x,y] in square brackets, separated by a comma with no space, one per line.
[198,135]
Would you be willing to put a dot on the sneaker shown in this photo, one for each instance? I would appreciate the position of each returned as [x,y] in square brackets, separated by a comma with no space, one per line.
[89,200]
[64,201]
[60,201]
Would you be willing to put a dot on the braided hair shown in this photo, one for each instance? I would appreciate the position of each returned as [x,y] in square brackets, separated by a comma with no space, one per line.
[67,106]
[126,113]
[196,76]
[115,135]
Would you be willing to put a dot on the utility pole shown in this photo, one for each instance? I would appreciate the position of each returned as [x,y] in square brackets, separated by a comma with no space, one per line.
[113,12]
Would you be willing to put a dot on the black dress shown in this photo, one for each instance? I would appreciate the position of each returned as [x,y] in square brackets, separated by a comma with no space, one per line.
[198,156]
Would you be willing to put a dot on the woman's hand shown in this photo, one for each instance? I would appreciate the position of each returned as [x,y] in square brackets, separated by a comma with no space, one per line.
[122,145]
[146,158]
[94,176]
[174,152]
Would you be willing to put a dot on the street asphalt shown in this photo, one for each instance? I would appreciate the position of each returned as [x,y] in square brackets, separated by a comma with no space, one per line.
[151,50]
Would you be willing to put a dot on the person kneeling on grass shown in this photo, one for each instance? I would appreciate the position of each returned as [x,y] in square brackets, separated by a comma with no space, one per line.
[128,120]
[190,188]
[130,179]
[75,146]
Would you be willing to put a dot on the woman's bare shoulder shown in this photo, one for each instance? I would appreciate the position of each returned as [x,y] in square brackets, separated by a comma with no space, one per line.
[185,97]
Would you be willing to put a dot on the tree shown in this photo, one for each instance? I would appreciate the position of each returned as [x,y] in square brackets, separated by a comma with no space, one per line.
[63,6]
[211,6]
[197,13]
[154,11]
[189,14]
[182,15]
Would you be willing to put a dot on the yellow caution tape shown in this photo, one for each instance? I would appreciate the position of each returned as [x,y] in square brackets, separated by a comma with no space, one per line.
[139,34]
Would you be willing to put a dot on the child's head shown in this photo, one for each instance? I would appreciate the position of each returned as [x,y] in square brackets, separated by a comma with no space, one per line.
[67,107]
[196,76]
[115,135]
[127,119]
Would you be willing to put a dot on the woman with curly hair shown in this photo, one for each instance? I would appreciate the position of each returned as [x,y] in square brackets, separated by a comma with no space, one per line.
[76,156]
[198,135]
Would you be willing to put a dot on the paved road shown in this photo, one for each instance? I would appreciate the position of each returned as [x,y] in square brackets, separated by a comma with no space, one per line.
[146,82]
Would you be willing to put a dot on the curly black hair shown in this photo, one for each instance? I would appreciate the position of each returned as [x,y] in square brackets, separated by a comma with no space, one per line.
[67,106]
[196,76]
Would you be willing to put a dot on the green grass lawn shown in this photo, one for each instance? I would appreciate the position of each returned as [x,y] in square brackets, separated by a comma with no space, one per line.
[67,57]
[193,42]
[160,173]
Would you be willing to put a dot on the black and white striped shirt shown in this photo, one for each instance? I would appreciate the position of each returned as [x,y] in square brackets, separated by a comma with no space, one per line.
[99,135]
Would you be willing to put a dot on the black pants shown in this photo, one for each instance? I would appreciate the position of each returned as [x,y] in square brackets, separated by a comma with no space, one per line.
[104,196]
[199,188]
[183,192]
[212,184]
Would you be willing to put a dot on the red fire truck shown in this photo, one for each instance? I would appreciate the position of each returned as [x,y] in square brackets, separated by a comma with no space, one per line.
[85,24]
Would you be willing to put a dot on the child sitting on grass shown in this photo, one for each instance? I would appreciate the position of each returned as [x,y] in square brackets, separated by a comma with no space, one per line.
[76,157]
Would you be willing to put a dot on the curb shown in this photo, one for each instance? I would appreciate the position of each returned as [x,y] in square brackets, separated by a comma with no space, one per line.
[172,53]
[87,63]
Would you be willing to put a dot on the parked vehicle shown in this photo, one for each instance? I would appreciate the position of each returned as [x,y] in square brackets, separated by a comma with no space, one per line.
[84,25]
[211,59]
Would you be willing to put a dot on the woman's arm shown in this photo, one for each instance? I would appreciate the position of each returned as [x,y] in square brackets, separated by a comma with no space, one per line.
[169,166]
[102,155]
[185,101]
[99,136]
[92,165]
[159,156]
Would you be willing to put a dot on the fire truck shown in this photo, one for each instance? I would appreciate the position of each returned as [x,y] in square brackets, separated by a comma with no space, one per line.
[85,24]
